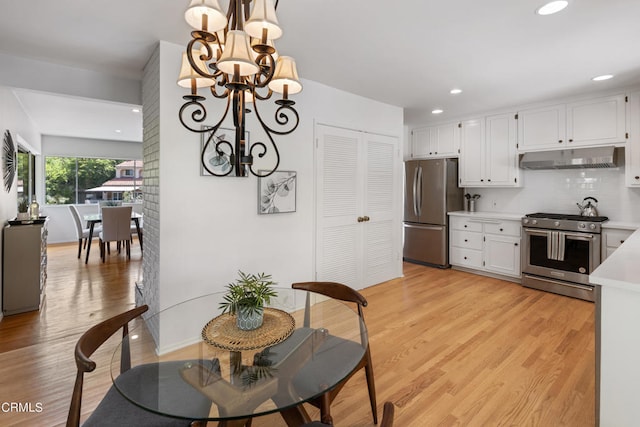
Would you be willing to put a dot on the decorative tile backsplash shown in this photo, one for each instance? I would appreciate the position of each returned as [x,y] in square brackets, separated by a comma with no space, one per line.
[560,190]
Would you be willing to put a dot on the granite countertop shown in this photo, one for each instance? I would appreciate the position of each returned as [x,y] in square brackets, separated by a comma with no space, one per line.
[489,215]
[621,269]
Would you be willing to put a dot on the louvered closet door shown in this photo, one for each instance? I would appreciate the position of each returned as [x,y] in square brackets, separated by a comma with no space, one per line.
[339,204]
[379,244]
[357,178]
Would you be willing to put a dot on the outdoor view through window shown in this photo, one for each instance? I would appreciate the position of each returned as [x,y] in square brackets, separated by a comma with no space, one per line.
[84,180]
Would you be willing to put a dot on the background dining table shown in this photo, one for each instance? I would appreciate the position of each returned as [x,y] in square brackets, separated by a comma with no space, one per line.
[243,373]
[96,218]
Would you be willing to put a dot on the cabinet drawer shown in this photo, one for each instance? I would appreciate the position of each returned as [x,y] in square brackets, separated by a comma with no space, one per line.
[614,238]
[505,228]
[466,257]
[459,223]
[466,239]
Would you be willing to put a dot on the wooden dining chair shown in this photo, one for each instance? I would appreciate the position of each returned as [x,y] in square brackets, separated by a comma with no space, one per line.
[115,410]
[388,413]
[116,227]
[310,376]
[81,232]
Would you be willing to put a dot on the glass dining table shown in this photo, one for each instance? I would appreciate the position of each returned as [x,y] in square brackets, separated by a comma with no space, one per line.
[96,218]
[196,352]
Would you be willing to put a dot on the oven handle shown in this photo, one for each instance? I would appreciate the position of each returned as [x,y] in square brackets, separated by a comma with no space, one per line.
[580,236]
[574,236]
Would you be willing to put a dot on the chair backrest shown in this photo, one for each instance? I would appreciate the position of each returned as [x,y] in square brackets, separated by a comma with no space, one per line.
[333,290]
[88,343]
[76,219]
[109,203]
[116,223]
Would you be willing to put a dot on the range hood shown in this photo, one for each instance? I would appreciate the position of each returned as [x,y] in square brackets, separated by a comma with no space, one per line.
[578,158]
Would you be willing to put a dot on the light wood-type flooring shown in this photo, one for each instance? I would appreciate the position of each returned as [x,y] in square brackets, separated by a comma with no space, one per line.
[449,349]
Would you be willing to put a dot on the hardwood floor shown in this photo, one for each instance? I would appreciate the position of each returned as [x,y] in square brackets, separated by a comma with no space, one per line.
[449,348]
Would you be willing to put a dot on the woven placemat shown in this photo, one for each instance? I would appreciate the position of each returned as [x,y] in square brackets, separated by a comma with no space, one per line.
[222,331]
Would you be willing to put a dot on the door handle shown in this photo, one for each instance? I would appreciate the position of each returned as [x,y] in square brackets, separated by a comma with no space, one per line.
[360,219]
[419,205]
[366,218]
[415,192]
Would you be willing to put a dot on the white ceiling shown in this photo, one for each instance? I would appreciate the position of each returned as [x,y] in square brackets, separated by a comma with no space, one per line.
[408,53]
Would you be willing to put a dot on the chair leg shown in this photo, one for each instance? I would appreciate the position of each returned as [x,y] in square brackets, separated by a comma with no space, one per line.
[368,370]
[109,248]
[128,249]
[85,243]
[79,247]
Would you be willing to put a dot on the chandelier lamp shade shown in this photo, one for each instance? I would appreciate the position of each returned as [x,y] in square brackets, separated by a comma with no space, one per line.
[232,56]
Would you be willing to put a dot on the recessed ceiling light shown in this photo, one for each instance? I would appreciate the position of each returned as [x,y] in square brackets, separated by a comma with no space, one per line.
[135,110]
[552,7]
[118,131]
[437,111]
[602,77]
[455,91]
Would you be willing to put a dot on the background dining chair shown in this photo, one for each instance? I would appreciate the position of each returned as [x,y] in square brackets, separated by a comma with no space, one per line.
[109,203]
[81,232]
[114,409]
[310,378]
[388,412]
[116,227]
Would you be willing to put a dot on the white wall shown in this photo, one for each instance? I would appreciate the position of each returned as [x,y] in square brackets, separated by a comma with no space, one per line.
[92,148]
[13,118]
[47,77]
[209,226]
[559,190]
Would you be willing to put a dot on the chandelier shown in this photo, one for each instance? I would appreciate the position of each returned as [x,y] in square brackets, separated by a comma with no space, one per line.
[232,55]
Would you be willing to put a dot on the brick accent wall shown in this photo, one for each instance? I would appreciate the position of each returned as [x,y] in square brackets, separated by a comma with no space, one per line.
[151,181]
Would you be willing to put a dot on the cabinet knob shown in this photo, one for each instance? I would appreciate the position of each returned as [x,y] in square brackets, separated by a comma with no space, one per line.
[465,257]
[571,140]
[621,241]
[489,180]
[515,244]
[559,141]
[467,240]
[465,226]
[435,152]
[482,180]
[501,229]
[637,177]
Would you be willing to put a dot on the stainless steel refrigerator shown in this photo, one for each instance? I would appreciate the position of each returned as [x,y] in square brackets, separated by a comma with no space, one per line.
[431,190]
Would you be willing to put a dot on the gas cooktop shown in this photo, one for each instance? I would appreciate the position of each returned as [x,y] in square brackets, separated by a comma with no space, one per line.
[567,217]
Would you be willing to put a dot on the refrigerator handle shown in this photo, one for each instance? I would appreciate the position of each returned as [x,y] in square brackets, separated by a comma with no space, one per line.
[419,195]
[415,191]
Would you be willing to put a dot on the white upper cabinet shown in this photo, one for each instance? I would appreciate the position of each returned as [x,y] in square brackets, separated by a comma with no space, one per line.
[488,155]
[596,121]
[472,154]
[435,141]
[542,128]
[632,150]
[502,156]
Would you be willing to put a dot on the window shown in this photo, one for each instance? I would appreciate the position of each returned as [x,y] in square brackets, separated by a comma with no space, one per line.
[127,172]
[85,180]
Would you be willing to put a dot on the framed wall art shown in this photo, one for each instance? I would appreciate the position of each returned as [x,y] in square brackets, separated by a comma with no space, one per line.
[219,163]
[277,192]
[9,161]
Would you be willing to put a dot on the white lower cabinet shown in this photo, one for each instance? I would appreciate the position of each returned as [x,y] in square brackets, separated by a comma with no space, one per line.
[612,238]
[486,244]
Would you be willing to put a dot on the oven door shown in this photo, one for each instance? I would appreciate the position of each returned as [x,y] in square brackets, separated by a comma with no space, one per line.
[561,255]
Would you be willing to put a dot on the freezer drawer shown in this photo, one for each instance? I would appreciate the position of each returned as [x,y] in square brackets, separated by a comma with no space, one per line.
[426,244]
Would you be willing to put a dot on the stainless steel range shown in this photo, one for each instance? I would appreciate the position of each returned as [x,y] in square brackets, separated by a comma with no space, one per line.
[560,251]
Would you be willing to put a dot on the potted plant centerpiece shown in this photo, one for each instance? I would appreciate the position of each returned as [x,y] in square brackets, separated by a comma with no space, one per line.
[246,298]
[23,209]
